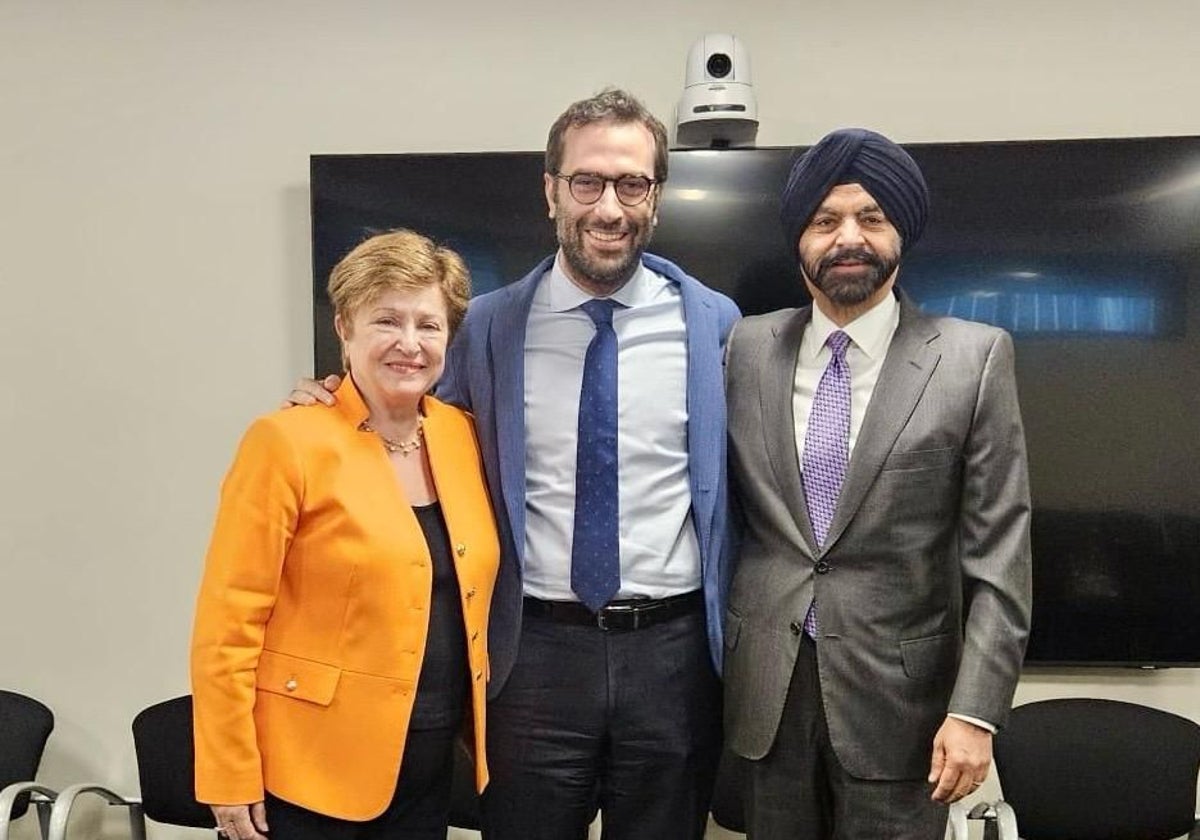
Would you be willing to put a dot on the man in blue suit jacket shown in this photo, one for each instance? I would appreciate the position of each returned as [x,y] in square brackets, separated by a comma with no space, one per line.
[615,706]
[616,709]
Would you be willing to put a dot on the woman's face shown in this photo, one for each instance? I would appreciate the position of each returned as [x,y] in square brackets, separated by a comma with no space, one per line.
[396,345]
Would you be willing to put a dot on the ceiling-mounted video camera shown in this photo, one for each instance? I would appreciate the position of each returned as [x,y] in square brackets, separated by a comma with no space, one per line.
[718,108]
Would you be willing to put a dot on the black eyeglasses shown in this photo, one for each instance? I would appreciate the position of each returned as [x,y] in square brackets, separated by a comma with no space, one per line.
[587,187]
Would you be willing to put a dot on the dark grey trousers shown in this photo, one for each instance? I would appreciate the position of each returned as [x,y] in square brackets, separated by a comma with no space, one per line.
[624,722]
[799,789]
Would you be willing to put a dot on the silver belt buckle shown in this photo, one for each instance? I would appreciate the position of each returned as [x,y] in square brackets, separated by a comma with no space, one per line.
[605,612]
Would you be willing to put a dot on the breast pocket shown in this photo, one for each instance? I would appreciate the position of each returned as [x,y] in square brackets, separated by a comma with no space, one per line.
[917,489]
[920,459]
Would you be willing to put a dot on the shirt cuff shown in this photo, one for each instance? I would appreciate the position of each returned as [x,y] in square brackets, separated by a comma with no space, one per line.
[982,724]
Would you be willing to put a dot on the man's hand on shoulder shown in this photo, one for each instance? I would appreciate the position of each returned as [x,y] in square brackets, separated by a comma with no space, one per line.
[310,392]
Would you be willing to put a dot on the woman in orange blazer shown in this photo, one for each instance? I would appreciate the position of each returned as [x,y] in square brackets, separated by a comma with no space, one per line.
[339,642]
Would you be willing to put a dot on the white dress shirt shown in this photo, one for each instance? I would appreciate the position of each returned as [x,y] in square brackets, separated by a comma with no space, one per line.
[660,552]
[870,337]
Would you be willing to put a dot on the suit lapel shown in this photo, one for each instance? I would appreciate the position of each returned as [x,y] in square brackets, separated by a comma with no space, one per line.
[777,378]
[706,419]
[909,363]
[506,344]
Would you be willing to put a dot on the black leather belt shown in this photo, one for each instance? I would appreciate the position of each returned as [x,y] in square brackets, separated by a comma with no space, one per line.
[633,614]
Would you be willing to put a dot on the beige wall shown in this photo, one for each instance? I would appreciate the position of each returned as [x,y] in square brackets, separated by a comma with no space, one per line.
[154,253]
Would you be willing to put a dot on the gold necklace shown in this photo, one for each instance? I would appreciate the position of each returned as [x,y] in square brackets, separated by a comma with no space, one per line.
[404,447]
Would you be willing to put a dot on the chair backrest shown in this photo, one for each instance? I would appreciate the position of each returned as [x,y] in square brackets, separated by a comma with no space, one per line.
[1100,769]
[166,759]
[25,725]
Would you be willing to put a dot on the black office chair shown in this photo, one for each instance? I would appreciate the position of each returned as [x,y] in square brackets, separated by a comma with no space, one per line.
[25,726]
[162,742]
[166,758]
[1098,769]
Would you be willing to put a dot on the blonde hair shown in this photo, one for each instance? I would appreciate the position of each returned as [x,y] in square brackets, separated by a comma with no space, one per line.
[399,261]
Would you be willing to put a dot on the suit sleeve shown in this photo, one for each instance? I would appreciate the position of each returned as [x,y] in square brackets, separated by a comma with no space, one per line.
[256,520]
[994,545]
[453,387]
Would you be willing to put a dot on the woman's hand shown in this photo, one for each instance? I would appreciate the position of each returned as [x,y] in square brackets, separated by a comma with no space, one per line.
[241,822]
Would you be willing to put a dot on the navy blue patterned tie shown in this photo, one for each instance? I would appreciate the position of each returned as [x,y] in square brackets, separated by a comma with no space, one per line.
[827,448]
[595,552]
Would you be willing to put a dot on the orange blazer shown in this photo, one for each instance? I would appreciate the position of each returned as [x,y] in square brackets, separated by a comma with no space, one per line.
[313,612]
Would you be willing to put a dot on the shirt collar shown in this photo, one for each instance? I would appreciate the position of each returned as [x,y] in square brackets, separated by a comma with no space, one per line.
[871,331]
[565,295]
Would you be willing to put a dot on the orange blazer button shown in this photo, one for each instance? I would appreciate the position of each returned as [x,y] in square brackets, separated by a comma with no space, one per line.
[291,684]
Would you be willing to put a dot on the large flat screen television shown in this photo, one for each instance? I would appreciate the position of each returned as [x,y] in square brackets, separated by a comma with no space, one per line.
[1087,251]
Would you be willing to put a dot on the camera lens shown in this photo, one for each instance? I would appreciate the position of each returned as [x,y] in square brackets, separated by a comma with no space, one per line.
[719,65]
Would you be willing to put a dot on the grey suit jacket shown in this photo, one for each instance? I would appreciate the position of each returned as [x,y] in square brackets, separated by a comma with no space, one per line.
[924,584]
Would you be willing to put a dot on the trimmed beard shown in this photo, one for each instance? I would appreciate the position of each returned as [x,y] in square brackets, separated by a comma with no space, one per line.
[602,275]
[851,290]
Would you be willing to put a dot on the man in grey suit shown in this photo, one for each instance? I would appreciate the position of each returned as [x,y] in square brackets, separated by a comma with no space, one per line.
[880,607]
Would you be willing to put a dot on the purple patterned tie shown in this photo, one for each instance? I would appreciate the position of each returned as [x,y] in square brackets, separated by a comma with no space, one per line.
[827,448]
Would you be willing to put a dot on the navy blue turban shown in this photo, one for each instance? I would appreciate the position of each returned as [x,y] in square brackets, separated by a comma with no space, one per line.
[856,156]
